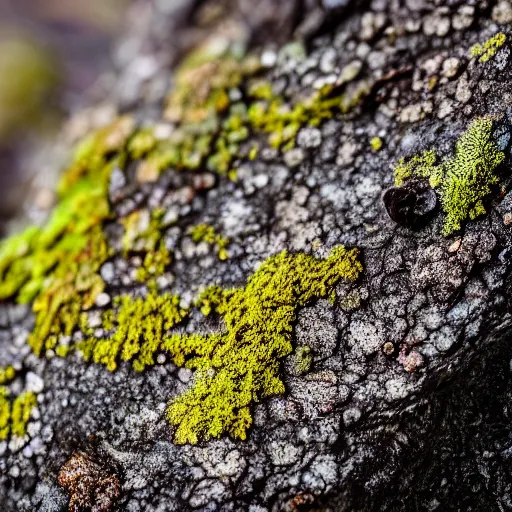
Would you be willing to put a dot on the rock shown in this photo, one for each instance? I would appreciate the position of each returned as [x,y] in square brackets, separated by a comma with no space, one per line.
[200,340]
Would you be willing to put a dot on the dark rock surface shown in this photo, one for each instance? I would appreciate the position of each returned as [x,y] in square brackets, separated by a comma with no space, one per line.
[406,405]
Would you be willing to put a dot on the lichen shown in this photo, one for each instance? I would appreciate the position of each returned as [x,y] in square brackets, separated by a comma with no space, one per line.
[240,366]
[488,49]
[462,181]
[138,326]
[144,236]
[57,266]
[469,175]
[302,360]
[376,143]
[7,374]
[236,367]
[422,165]
[14,415]
[207,233]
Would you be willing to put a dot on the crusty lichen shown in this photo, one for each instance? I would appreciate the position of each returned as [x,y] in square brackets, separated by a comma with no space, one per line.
[14,415]
[206,233]
[464,180]
[57,266]
[240,366]
[488,49]
[236,367]
[422,165]
[376,143]
[302,360]
[138,326]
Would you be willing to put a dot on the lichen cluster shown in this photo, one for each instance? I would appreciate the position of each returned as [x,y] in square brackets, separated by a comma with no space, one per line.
[488,49]
[219,100]
[57,266]
[240,366]
[136,327]
[14,414]
[236,367]
[207,233]
[464,180]
[144,236]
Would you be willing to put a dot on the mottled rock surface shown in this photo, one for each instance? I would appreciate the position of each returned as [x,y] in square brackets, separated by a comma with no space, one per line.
[403,402]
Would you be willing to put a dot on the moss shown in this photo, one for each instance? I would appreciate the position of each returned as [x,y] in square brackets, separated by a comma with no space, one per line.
[71,289]
[154,264]
[240,366]
[207,233]
[376,144]
[469,175]
[98,154]
[210,299]
[488,49]
[464,180]
[28,260]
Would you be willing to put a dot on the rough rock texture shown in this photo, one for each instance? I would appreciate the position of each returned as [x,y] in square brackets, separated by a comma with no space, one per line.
[404,403]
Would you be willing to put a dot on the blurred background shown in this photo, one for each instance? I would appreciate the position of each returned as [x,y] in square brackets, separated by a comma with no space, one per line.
[52,53]
[67,66]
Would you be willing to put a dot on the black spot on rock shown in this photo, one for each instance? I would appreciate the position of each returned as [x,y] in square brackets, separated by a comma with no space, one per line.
[411,205]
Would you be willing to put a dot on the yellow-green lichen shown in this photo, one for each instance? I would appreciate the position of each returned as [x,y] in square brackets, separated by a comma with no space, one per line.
[57,266]
[207,233]
[240,366]
[139,325]
[376,144]
[302,360]
[98,154]
[422,165]
[14,415]
[464,180]
[7,374]
[488,49]
[144,235]
[20,413]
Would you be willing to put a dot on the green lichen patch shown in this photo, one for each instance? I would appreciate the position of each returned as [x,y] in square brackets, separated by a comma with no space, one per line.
[207,233]
[462,181]
[422,165]
[240,366]
[488,49]
[468,176]
[234,368]
[98,154]
[70,289]
[144,235]
[14,414]
[29,260]
[7,374]
[376,143]
[301,360]
[139,325]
